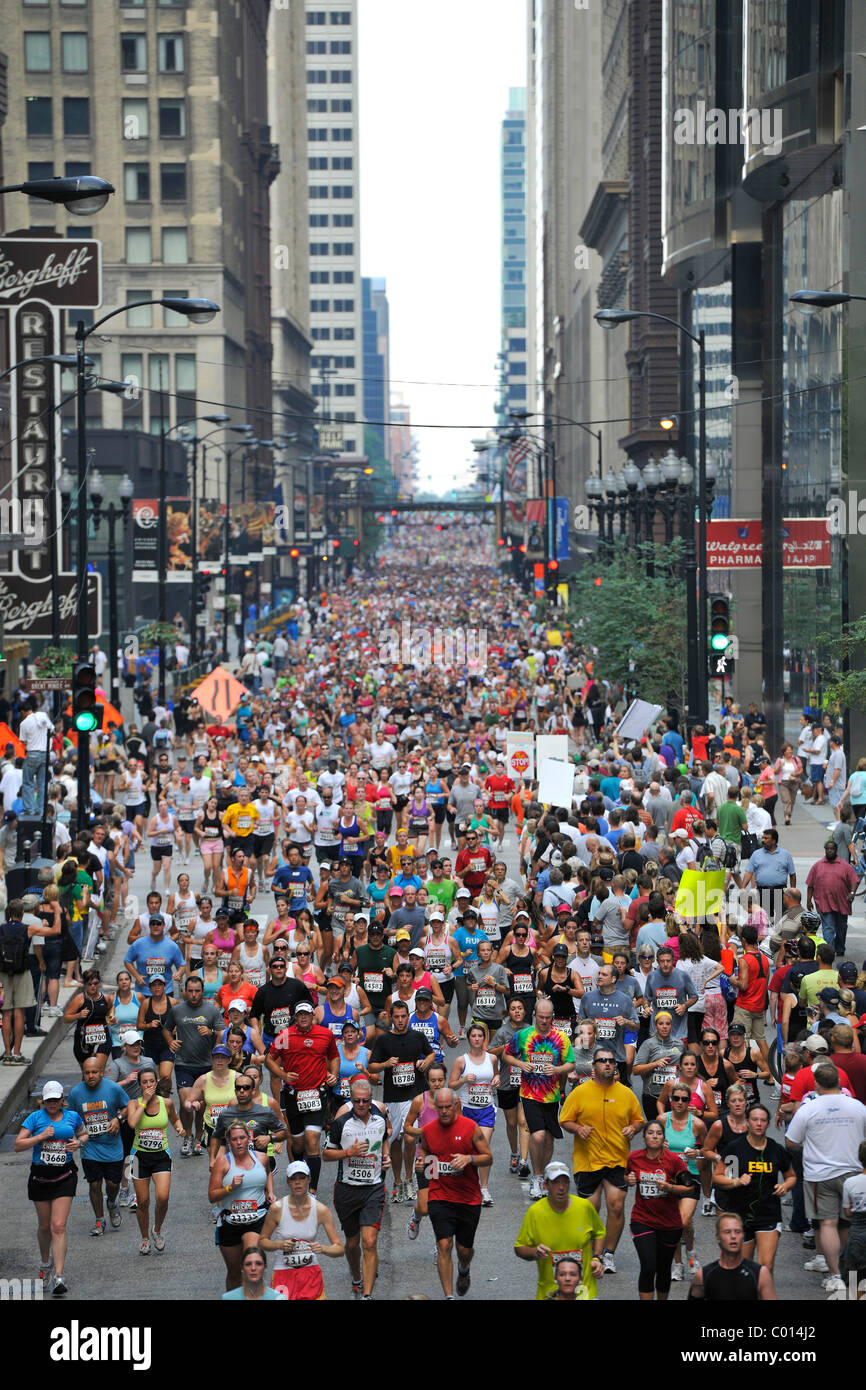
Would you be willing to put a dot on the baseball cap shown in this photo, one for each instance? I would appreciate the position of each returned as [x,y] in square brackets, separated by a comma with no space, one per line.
[403,935]
[518,914]
[814,1043]
[52,1090]
[463,893]
[557,1170]
[563,907]
[362,917]
[736,1028]
[158,918]
[848,972]
[556,857]
[376,928]
[437,916]
[417,951]
[220,1051]
[184,779]
[679,834]
[561,949]
[395,892]
[130,1036]
[298,1166]
[465,768]
[304,1008]
[830,997]
[238,1004]
[423,993]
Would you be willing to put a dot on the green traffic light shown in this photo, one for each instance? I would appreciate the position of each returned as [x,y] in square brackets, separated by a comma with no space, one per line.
[85,722]
[720,641]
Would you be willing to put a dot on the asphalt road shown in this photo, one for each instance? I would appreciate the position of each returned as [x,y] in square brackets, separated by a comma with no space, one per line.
[110,1268]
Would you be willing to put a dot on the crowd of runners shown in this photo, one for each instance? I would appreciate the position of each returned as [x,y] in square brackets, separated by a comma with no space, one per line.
[340,984]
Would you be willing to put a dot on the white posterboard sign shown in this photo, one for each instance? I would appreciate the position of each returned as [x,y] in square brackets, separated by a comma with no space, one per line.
[519,756]
[552,746]
[637,719]
[555,783]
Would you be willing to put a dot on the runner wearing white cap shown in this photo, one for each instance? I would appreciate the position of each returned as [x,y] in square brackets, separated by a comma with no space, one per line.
[290,1229]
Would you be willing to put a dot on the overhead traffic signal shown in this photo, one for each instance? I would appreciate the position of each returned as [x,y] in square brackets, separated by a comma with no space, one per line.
[85,712]
[720,623]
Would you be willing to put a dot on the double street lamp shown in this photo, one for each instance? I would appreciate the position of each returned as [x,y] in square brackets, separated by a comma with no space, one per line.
[96,490]
[81,196]
[696,605]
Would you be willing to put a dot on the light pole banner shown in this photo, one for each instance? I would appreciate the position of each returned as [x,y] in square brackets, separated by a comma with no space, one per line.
[520,756]
[145,540]
[211,533]
[561,545]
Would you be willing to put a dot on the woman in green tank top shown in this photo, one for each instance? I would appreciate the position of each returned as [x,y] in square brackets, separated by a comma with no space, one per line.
[150,1117]
[685,1135]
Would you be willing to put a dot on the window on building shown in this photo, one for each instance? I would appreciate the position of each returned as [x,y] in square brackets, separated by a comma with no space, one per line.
[320,277]
[344,277]
[342,161]
[320,335]
[133,53]
[344,306]
[344,335]
[316,46]
[341,16]
[159,386]
[517,393]
[138,246]
[345,417]
[341,106]
[340,132]
[344,361]
[172,183]
[175,245]
[342,190]
[344,388]
[73,52]
[316,77]
[317,161]
[344,248]
[39,169]
[319,219]
[80,234]
[185,386]
[172,118]
[341,76]
[77,168]
[315,133]
[136,121]
[141,317]
[319,248]
[76,115]
[318,105]
[316,17]
[169,318]
[341,46]
[39,117]
[344,219]
[320,306]
[37,52]
[136,183]
[169,49]
[317,191]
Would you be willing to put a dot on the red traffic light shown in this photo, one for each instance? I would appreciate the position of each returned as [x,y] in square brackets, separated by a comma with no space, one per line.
[438,528]
[335,543]
[597,582]
[380,518]
[500,541]
[356,542]
[553,564]
[394,512]
[294,554]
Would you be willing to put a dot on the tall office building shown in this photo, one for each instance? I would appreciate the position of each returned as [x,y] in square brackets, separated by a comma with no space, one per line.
[334,217]
[170,105]
[514,358]
[377,362]
[402,447]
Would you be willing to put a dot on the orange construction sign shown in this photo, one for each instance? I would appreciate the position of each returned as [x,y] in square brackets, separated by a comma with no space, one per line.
[219,694]
[7,736]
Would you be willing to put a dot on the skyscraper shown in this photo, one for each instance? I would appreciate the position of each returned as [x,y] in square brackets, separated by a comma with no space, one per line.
[514,359]
[334,216]
[377,363]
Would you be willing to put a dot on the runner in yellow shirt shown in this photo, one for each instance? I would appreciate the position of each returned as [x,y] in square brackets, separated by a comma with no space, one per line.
[240,821]
[604,1116]
[561,1225]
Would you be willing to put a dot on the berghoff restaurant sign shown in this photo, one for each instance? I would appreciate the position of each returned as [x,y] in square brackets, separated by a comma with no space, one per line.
[66,273]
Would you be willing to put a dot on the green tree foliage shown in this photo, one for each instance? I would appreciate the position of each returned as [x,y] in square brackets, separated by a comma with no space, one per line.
[635,623]
[846,689]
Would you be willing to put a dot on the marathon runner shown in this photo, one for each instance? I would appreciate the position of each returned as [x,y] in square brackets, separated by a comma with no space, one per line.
[304,1058]
[291,1228]
[242,1185]
[101,1104]
[562,1230]
[452,1148]
[545,1057]
[732,1278]
[401,1057]
[358,1141]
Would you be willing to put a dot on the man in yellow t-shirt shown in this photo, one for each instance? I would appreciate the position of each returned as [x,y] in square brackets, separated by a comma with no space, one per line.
[604,1116]
[240,821]
[561,1225]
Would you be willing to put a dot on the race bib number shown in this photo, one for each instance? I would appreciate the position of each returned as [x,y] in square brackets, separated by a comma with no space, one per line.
[374,983]
[301,1255]
[224,959]
[515,1075]
[94,1034]
[350,846]
[151,1140]
[362,1168]
[522,984]
[436,960]
[162,838]
[307,1100]
[183,920]
[661,1078]
[96,1118]
[666,999]
[649,1184]
[279,1020]
[476,866]
[568,1255]
[486,999]
[539,1061]
[327,837]
[565,1025]
[244,1211]
[605,1028]
[344,1088]
[255,977]
[212,832]
[54,1153]
[444,1170]
[154,965]
[480,1094]
[234,902]
[215,1112]
[404,1074]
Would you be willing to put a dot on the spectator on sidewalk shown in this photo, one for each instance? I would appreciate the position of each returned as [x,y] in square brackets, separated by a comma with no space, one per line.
[831,885]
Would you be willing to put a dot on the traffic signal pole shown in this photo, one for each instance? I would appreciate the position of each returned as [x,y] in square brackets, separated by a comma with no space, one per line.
[82,761]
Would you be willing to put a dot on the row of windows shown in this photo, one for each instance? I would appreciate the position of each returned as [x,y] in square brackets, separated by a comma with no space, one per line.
[335,17]
[341,335]
[337,76]
[341,105]
[317,362]
[324,277]
[323,219]
[126,4]
[319,133]
[341,388]
[137,184]
[336,46]
[319,162]
[336,248]
[139,246]
[74,53]
[340,306]
[171,117]
[340,190]
[169,53]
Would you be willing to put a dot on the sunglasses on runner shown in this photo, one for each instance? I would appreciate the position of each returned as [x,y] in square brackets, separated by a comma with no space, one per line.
[244,1086]
[684,1098]
[709,1042]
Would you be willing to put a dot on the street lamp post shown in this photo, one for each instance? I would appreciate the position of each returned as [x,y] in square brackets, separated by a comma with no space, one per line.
[244,443]
[113,513]
[698,670]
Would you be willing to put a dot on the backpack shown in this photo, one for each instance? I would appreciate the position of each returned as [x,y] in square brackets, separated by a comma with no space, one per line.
[14,949]
[704,853]
[730,858]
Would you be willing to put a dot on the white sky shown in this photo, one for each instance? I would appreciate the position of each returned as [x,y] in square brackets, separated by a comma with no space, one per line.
[434,82]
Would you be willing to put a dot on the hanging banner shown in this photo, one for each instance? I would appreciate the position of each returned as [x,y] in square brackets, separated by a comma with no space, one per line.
[145,540]
[520,755]
[211,533]
[561,513]
[738,544]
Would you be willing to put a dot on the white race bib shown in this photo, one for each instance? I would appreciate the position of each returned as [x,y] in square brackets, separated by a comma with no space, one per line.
[403,1074]
[522,984]
[480,1094]
[308,1100]
[243,1212]
[486,999]
[94,1034]
[300,1256]
[150,1140]
[54,1153]
[374,983]
[605,1028]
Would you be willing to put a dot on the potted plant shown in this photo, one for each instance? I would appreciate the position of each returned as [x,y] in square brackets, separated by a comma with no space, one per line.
[158,634]
[54,662]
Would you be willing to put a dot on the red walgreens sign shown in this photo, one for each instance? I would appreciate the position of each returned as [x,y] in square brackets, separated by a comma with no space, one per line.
[736,545]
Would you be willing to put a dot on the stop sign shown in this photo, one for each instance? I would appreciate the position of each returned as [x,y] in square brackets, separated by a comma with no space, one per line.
[520,760]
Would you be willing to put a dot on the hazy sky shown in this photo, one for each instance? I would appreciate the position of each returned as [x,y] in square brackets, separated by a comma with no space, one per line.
[434,82]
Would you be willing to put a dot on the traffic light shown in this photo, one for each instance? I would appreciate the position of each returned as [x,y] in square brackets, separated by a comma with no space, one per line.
[720,623]
[553,564]
[294,553]
[85,712]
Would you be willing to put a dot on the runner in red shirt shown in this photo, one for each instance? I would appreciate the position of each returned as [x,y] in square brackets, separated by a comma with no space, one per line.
[660,1179]
[305,1058]
[684,818]
[472,864]
[500,789]
[452,1149]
